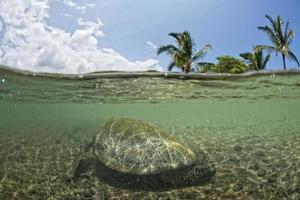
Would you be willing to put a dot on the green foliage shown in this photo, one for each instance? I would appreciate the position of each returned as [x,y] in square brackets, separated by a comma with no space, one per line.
[256,60]
[184,54]
[229,64]
[281,39]
[205,67]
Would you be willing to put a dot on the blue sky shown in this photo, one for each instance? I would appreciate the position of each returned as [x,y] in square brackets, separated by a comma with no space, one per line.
[123,30]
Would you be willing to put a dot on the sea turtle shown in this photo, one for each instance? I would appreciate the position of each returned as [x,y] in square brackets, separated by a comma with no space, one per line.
[130,152]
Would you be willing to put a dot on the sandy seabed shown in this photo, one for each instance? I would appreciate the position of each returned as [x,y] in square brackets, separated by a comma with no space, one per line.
[252,162]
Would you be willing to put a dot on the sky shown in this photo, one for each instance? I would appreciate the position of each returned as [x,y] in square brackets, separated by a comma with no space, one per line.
[79,36]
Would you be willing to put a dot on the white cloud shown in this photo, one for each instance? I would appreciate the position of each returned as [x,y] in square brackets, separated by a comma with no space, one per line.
[152,45]
[66,14]
[91,5]
[70,3]
[74,5]
[95,27]
[30,43]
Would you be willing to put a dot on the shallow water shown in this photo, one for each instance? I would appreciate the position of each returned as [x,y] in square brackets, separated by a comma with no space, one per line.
[249,128]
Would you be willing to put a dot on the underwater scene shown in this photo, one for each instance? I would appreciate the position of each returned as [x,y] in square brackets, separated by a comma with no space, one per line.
[149,137]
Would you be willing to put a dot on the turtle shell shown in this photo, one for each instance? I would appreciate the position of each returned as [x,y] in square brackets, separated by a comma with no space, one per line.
[136,147]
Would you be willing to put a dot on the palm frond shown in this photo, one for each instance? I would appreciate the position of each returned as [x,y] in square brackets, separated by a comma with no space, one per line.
[171,65]
[168,49]
[175,35]
[270,33]
[178,37]
[276,27]
[256,60]
[290,37]
[266,61]
[279,28]
[249,59]
[286,31]
[188,43]
[268,48]
[247,55]
[293,57]
[202,52]
[273,23]
[257,48]
[178,59]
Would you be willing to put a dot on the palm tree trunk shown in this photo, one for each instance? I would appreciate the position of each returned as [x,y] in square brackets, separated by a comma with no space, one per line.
[283,58]
[186,68]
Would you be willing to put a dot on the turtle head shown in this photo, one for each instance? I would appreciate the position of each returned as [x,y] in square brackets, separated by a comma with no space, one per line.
[202,171]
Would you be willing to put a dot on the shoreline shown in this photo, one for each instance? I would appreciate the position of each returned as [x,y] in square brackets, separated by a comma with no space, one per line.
[148,74]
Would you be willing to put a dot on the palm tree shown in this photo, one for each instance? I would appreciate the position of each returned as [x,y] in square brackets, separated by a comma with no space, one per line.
[184,56]
[281,39]
[256,60]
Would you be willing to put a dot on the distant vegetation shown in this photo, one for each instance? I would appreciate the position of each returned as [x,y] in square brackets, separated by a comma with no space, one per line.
[256,59]
[186,58]
[229,64]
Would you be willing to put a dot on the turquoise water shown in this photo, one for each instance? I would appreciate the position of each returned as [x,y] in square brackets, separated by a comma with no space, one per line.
[249,128]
